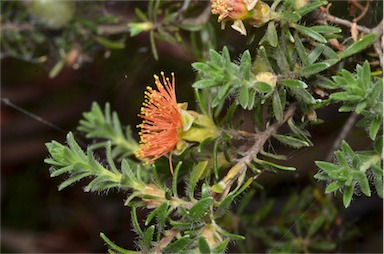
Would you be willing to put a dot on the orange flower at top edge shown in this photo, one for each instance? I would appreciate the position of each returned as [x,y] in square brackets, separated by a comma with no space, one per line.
[232,9]
[162,120]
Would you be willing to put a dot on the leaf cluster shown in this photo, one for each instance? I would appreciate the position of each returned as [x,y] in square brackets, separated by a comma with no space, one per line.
[362,93]
[225,78]
[106,125]
[353,171]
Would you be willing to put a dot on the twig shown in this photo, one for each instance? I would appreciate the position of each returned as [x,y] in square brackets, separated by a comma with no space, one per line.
[343,134]
[113,29]
[260,139]
[166,240]
[362,14]
[378,30]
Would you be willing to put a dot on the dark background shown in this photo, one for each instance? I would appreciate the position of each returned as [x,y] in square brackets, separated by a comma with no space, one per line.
[36,218]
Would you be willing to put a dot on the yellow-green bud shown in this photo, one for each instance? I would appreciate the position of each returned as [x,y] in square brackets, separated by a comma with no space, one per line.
[267,77]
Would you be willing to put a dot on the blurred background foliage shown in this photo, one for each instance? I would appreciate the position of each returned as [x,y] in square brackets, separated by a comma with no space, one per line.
[57,57]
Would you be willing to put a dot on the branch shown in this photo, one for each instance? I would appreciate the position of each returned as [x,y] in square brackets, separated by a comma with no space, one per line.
[260,139]
[323,16]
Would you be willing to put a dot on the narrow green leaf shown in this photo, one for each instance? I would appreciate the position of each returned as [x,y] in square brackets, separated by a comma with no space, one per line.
[277,166]
[177,245]
[57,68]
[379,145]
[276,106]
[153,45]
[204,246]
[74,146]
[152,215]
[116,247]
[100,183]
[301,51]
[315,53]
[323,245]
[243,97]
[244,186]
[330,53]
[363,183]
[59,171]
[360,107]
[262,53]
[326,29]
[199,209]
[378,180]
[358,46]
[226,58]
[73,179]
[215,57]
[251,98]
[148,236]
[272,34]
[365,74]
[295,83]
[174,178]
[347,195]
[205,83]
[344,96]
[224,206]
[161,216]
[333,186]
[315,68]
[273,156]
[110,44]
[215,164]
[245,65]
[310,33]
[196,174]
[291,141]
[288,16]
[233,236]
[220,248]
[375,126]
[310,7]
[263,87]
[135,222]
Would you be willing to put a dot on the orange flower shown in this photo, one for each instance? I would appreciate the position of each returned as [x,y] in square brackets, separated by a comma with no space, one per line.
[167,126]
[231,9]
[162,120]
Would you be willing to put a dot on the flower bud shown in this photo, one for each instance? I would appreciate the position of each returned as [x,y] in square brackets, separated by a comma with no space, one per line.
[311,115]
[267,77]
[260,14]
[53,14]
[300,3]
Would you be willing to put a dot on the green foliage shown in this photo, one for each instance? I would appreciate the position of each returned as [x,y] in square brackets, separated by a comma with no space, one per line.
[294,71]
[97,124]
[225,78]
[352,172]
[362,94]
[72,160]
